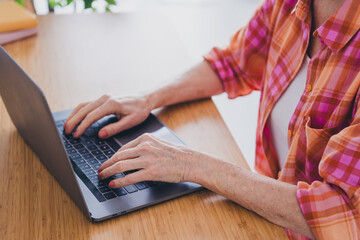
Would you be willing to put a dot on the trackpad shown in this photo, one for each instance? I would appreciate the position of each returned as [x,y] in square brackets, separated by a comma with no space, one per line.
[150,125]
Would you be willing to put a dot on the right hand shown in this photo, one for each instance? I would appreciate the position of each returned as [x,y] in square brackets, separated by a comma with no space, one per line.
[130,111]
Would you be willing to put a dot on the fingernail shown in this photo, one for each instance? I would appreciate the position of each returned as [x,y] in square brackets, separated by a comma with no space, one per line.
[103,133]
[112,184]
[100,175]
[99,170]
[76,134]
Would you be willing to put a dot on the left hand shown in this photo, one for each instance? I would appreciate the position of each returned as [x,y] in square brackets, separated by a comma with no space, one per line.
[156,160]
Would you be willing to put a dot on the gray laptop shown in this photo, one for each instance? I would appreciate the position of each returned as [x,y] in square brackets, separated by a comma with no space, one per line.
[74,162]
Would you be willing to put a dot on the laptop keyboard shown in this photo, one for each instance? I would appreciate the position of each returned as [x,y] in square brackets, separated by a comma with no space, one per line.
[88,152]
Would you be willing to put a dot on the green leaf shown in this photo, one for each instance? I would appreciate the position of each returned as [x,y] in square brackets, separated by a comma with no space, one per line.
[111,2]
[107,8]
[54,3]
[20,2]
[88,3]
[68,2]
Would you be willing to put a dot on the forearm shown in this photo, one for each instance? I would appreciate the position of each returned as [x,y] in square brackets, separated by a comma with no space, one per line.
[274,200]
[199,82]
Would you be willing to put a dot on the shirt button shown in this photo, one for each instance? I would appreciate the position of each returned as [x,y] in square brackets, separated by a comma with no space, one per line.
[289,133]
[308,88]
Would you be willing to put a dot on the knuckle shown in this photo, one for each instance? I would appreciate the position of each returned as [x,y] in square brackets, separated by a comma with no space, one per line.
[111,101]
[145,136]
[145,146]
[118,167]
[106,96]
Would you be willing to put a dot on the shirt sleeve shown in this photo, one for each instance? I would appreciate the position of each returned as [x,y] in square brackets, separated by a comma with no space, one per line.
[241,65]
[331,207]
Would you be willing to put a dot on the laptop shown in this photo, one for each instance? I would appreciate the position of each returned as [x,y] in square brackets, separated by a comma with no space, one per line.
[74,161]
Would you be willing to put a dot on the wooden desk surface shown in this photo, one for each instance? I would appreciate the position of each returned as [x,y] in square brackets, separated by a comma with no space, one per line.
[77,58]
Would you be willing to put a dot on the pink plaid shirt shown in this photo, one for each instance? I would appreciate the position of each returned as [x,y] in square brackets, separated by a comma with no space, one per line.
[324,131]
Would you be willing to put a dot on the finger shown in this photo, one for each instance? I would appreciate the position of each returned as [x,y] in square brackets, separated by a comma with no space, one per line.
[76,109]
[119,156]
[98,113]
[120,167]
[129,179]
[114,128]
[81,114]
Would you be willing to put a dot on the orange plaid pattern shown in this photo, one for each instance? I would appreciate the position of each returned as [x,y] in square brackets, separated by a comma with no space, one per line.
[324,131]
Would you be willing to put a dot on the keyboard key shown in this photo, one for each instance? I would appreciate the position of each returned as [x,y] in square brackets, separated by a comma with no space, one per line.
[104,147]
[96,166]
[101,158]
[75,156]
[78,146]
[110,195]
[84,167]
[119,191]
[86,141]
[89,172]
[68,136]
[67,145]
[130,188]
[92,161]
[94,178]
[109,152]
[141,185]
[99,142]
[87,156]
[74,141]
[83,151]
[92,147]
[79,161]
[70,151]
[96,152]
[104,189]
[100,183]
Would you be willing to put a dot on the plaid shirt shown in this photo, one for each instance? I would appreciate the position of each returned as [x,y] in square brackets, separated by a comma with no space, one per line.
[324,131]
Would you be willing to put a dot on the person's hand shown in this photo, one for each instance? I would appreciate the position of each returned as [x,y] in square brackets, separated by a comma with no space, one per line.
[155,160]
[130,111]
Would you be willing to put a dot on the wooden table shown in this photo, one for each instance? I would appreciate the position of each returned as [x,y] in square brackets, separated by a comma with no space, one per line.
[77,58]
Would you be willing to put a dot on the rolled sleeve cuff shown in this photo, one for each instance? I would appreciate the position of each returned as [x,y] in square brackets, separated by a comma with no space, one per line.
[229,73]
[327,212]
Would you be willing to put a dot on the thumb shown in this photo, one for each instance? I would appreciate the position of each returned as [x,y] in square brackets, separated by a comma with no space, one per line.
[114,128]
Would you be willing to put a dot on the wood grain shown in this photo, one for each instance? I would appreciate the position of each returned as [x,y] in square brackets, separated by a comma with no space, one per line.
[77,58]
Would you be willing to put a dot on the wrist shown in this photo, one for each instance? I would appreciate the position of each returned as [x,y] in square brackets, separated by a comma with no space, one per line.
[200,169]
[152,100]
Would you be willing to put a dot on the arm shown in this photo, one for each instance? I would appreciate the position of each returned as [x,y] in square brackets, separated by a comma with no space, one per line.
[162,161]
[274,200]
[199,82]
